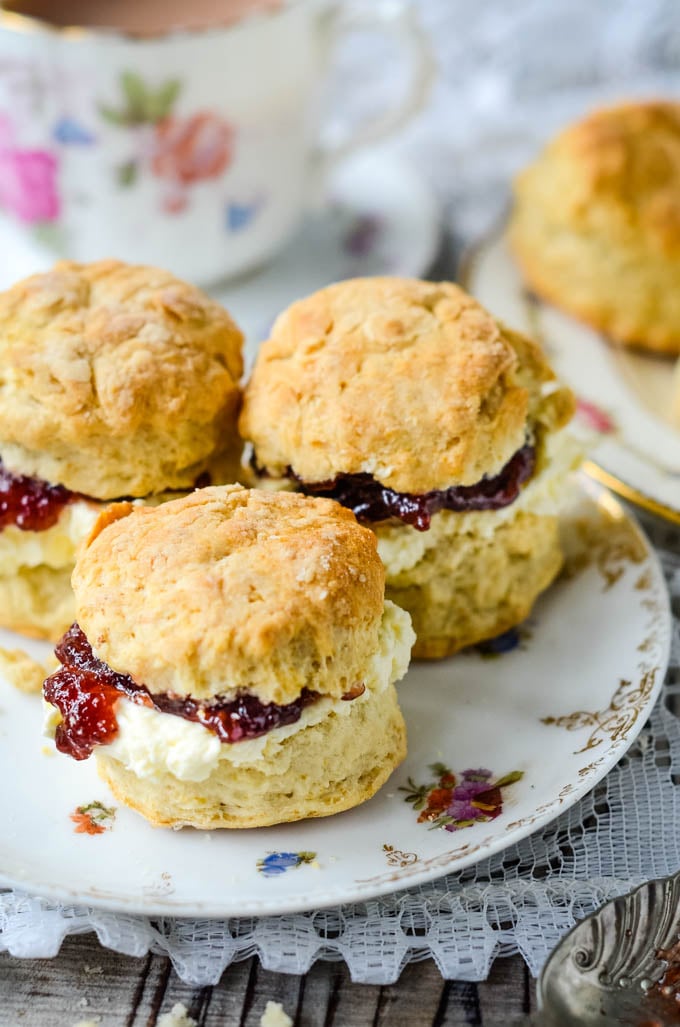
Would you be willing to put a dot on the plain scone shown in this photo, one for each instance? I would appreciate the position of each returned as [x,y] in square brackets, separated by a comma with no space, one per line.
[596,223]
[115,381]
[415,386]
[229,592]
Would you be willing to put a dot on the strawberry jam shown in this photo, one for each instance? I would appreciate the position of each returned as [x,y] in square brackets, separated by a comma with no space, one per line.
[29,503]
[371,501]
[85,691]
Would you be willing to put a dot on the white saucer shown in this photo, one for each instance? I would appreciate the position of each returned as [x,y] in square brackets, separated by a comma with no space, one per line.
[378,217]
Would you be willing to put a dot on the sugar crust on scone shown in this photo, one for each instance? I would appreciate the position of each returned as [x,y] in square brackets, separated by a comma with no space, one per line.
[228,589]
[596,223]
[116,380]
[412,382]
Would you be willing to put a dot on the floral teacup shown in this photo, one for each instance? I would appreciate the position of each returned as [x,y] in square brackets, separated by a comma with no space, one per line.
[195,150]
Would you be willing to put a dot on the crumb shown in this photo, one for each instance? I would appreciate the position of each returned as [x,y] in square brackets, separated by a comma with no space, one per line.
[48,751]
[315,865]
[93,969]
[274,1016]
[83,1003]
[89,1023]
[22,671]
[177,1017]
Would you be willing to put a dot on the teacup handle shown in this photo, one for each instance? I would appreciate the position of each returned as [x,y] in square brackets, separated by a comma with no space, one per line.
[398,20]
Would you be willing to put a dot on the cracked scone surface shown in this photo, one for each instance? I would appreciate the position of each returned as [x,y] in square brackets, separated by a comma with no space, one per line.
[596,223]
[410,381]
[229,589]
[116,380]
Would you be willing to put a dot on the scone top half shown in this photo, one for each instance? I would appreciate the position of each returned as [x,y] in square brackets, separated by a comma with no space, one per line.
[116,380]
[228,593]
[408,385]
[596,222]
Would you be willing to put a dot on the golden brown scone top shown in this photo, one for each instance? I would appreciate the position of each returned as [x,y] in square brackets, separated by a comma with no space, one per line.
[625,159]
[228,589]
[596,223]
[410,381]
[115,379]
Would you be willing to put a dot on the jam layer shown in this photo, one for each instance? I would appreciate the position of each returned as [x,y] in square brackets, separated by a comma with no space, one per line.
[372,501]
[29,503]
[85,691]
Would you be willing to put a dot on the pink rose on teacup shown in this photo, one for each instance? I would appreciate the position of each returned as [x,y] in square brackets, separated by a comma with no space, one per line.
[28,179]
[189,150]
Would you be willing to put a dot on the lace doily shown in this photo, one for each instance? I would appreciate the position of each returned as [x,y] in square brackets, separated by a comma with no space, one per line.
[511,74]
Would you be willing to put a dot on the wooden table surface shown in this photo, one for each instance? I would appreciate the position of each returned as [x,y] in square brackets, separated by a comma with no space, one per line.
[87,982]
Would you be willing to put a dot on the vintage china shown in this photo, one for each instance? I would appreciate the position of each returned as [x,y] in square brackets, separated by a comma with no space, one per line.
[624,397]
[541,709]
[608,970]
[378,217]
[196,150]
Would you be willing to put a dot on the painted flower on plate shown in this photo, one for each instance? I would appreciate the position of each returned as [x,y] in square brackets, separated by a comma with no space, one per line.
[276,863]
[95,818]
[457,801]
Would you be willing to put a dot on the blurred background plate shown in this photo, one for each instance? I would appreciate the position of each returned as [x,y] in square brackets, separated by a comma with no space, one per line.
[624,398]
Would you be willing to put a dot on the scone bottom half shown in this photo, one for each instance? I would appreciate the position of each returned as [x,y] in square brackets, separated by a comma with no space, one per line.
[117,381]
[439,427]
[234,660]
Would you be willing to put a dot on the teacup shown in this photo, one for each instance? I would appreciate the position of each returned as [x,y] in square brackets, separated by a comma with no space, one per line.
[196,149]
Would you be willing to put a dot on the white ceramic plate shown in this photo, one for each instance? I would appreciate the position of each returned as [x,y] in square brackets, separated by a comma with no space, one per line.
[624,397]
[561,707]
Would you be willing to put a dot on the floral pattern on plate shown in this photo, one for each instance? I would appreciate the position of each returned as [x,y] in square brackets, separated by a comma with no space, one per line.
[95,818]
[456,801]
[276,863]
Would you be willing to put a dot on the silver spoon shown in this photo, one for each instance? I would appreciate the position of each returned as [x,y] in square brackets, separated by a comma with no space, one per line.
[615,968]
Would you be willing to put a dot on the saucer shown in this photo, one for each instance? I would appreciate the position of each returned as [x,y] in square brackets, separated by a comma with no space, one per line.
[377,217]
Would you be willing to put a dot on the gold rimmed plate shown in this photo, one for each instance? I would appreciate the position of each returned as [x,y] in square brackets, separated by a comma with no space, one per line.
[529,725]
[625,398]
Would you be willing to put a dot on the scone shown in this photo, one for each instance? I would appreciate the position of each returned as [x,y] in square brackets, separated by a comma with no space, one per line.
[115,381]
[409,404]
[596,223]
[233,660]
